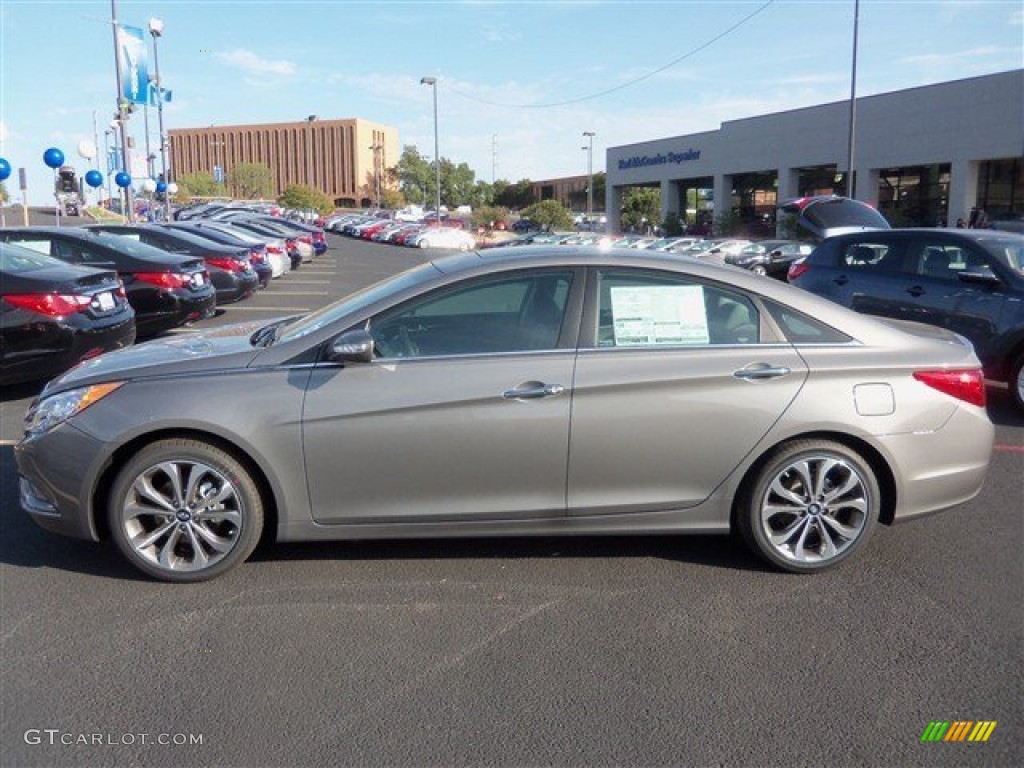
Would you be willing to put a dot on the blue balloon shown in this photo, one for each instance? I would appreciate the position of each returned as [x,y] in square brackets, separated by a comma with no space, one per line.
[123,179]
[53,157]
[94,178]
[5,169]
[161,187]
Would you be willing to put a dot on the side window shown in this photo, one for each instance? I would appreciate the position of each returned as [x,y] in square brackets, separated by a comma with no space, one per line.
[651,309]
[943,260]
[801,329]
[518,313]
[33,244]
[872,256]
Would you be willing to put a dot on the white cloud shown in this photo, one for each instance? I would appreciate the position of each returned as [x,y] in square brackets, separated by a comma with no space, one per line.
[250,62]
[3,131]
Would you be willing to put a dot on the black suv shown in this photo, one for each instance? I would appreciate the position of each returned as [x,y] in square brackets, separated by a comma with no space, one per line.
[970,281]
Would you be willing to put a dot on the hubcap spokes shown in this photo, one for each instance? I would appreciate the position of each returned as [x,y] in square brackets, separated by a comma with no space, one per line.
[814,509]
[182,515]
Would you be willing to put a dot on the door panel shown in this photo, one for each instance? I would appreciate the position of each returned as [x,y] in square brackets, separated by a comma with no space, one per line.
[434,439]
[663,428]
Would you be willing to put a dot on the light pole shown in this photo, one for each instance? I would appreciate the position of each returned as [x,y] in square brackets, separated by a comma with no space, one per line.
[432,82]
[216,143]
[122,115]
[309,151]
[376,172]
[851,187]
[590,174]
[156,29]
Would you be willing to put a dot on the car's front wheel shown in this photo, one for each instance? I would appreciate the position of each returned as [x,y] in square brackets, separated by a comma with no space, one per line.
[811,506]
[185,511]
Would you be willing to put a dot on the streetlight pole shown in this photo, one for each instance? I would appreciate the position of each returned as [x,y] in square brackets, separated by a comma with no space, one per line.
[851,187]
[122,115]
[590,175]
[216,143]
[309,151]
[376,172]
[156,29]
[432,82]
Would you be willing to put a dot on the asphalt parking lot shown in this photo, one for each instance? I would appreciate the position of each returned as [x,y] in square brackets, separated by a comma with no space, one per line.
[563,652]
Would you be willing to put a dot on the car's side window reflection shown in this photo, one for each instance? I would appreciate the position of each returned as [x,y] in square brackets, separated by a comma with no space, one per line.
[649,309]
[518,313]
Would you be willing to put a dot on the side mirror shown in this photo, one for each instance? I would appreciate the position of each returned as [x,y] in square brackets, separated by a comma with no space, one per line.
[352,347]
[982,274]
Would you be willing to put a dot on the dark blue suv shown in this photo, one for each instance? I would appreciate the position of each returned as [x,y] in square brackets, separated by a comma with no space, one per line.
[970,281]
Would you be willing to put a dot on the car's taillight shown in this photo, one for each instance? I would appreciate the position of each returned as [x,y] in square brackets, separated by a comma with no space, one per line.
[968,385]
[318,237]
[50,304]
[306,239]
[257,255]
[120,290]
[796,269]
[291,244]
[273,249]
[228,265]
[170,280]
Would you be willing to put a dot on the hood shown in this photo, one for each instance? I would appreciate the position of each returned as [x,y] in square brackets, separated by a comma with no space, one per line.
[226,348]
[827,215]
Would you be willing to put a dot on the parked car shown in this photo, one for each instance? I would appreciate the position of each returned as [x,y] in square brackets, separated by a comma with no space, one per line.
[769,257]
[276,248]
[443,237]
[638,394]
[230,267]
[268,265]
[165,290]
[970,281]
[296,253]
[54,315]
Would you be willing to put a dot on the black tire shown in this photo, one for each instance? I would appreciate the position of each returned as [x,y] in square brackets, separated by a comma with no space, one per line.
[178,535]
[759,269]
[817,524]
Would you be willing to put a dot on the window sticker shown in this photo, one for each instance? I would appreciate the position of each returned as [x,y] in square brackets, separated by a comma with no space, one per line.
[659,314]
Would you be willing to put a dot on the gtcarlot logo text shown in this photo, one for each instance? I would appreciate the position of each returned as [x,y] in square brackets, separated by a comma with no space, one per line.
[57,737]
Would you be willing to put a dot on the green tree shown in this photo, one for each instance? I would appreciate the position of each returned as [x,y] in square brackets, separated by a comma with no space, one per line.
[415,176]
[487,216]
[550,214]
[4,196]
[201,184]
[728,223]
[299,196]
[516,196]
[251,181]
[641,207]
[392,198]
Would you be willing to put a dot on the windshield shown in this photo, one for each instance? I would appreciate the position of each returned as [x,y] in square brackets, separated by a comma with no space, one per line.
[355,302]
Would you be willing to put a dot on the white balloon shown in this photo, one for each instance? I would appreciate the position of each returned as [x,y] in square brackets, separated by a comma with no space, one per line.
[172,188]
[149,185]
[87,149]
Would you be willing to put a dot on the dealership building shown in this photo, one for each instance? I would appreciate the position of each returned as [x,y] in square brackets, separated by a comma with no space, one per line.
[923,156]
[346,159]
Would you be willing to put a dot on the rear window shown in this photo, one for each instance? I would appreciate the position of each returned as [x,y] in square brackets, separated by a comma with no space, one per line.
[833,214]
[14,260]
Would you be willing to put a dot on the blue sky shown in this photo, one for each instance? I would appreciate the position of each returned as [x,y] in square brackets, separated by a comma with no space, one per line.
[518,82]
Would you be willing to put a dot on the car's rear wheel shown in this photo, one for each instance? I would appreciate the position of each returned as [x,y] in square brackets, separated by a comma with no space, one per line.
[185,511]
[811,506]
[758,269]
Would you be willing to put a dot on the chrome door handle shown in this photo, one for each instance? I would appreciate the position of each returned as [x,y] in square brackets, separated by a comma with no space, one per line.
[761,371]
[533,392]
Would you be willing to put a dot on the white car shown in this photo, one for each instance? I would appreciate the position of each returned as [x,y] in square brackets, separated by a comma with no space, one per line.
[445,237]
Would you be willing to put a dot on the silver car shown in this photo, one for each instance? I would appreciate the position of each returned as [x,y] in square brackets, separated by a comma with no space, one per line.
[536,390]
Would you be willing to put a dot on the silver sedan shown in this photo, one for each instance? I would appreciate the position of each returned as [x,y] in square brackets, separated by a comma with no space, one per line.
[536,390]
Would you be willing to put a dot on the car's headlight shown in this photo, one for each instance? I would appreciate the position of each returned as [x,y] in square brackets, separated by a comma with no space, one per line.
[56,409]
